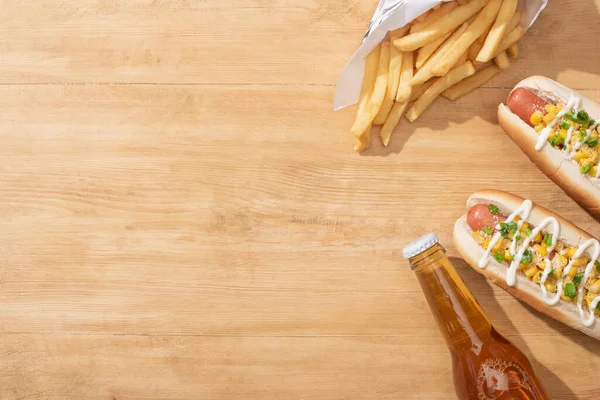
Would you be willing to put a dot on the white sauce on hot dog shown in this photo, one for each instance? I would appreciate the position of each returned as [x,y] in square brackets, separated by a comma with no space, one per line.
[523,212]
[545,133]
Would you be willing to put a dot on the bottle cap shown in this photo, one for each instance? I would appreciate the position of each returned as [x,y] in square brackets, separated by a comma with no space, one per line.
[420,245]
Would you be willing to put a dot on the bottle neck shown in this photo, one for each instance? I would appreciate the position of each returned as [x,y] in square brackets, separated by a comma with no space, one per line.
[460,318]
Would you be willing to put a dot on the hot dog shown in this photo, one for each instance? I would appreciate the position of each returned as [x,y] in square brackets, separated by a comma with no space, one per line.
[537,256]
[558,130]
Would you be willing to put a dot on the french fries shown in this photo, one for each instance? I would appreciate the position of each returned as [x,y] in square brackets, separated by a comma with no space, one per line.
[453,77]
[442,52]
[425,73]
[471,83]
[501,25]
[362,142]
[404,87]
[364,119]
[502,60]
[433,16]
[391,122]
[418,90]
[426,51]
[440,27]
[481,24]
[513,51]
[392,85]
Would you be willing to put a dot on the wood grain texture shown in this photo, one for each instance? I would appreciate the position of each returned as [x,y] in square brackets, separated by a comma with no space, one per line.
[183,218]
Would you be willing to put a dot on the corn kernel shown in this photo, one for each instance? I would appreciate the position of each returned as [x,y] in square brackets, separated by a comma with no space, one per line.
[542,265]
[595,288]
[507,255]
[499,247]
[539,127]
[541,249]
[551,108]
[572,272]
[538,238]
[563,133]
[537,278]
[536,118]
[559,261]
[580,262]
[524,226]
[486,242]
[548,118]
[551,287]
[570,252]
[557,272]
[578,156]
[478,237]
[566,298]
[531,272]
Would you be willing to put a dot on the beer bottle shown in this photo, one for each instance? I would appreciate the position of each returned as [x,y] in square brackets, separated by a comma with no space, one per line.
[485,365]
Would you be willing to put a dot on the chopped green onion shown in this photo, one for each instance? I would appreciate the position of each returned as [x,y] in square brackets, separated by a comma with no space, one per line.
[528,232]
[583,116]
[570,117]
[488,230]
[555,141]
[592,142]
[565,125]
[547,239]
[527,257]
[498,257]
[518,237]
[592,122]
[493,209]
[586,169]
[577,278]
[550,273]
[597,264]
[507,227]
[570,290]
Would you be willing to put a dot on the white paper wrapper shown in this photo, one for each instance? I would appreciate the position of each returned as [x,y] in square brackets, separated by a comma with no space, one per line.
[394,14]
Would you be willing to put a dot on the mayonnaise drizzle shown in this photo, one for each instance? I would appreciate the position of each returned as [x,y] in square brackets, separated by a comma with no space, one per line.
[511,274]
[545,133]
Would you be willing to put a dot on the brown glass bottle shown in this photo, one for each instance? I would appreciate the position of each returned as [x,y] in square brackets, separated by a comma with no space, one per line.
[485,364]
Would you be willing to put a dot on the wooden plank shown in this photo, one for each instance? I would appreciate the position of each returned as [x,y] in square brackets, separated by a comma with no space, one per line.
[161,367]
[242,42]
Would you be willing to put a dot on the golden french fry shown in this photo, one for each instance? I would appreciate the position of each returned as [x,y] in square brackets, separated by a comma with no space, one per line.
[422,17]
[426,51]
[513,51]
[439,28]
[502,60]
[474,49]
[471,83]
[362,142]
[451,78]
[514,22]
[368,83]
[404,87]
[364,119]
[463,59]
[512,38]
[391,122]
[418,90]
[398,33]
[493,39]
[392,85]
[424,74]
[433,16]
[482,23]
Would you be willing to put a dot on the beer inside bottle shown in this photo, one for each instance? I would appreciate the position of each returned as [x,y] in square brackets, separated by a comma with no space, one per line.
[485,364]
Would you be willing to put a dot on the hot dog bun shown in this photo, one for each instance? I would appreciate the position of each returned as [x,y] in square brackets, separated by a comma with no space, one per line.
[524,289]
[553,162]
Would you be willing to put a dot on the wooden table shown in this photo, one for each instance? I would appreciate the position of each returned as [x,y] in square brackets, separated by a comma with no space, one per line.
[183,217]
